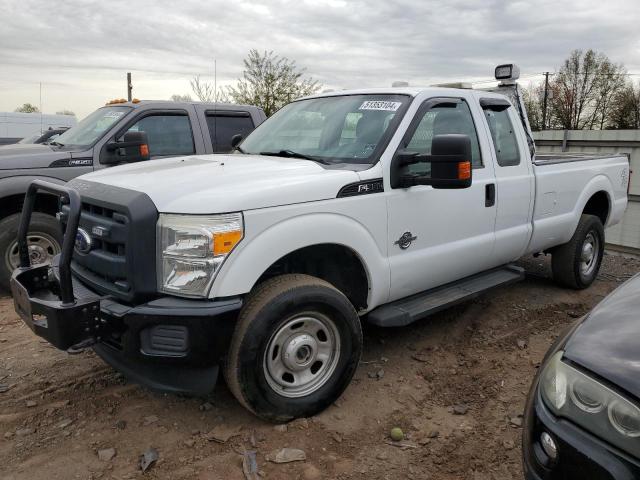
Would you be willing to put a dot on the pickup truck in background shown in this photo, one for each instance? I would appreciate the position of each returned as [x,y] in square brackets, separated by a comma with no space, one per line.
[381,206]
[172,129]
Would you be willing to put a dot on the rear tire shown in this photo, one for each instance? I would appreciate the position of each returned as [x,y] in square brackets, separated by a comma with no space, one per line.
[44,241]
[576,263]
[295,348]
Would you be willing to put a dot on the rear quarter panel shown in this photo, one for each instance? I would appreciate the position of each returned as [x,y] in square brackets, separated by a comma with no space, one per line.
[563,190]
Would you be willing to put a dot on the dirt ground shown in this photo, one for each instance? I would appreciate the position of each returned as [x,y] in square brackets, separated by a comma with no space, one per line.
[455,383]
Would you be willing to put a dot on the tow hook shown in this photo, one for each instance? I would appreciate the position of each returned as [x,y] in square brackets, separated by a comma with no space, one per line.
[81,346]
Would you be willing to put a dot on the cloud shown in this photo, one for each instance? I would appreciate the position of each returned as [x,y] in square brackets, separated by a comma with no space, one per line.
[81,50]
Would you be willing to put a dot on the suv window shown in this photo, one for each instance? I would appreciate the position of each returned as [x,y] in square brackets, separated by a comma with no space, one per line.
[442,120]
[223,126]
[168,134]
[504,137]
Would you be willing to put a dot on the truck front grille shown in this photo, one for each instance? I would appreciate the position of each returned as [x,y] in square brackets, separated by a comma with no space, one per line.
[121,259]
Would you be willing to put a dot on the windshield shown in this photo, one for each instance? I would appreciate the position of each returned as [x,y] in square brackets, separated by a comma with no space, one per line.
[91,128]
[341,129]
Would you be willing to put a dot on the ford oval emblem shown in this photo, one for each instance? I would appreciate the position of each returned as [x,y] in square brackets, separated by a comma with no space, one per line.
[83,241]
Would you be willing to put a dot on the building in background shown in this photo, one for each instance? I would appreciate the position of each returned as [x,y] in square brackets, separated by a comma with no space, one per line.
[15,126]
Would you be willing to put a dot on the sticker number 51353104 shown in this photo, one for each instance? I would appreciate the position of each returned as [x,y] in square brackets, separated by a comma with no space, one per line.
[380,105]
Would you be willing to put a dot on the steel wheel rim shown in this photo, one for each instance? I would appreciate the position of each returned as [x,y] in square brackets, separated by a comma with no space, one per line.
[42,249]
[301,355]
[589,254]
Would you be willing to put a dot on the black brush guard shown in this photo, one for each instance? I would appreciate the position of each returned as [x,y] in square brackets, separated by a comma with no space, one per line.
[46,303]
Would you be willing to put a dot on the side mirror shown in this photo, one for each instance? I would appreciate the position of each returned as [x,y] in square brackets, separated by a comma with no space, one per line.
[133,148]
[236,139]
[450,162]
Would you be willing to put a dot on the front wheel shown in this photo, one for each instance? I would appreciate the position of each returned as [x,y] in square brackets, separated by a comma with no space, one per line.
[43,241]
[295,348]
[576,263]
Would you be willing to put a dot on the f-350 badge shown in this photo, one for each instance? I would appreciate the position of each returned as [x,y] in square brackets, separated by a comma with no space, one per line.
[405,240]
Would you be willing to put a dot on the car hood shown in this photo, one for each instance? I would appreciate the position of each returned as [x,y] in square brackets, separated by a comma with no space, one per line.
[226,183]
[607,340]
[29,155]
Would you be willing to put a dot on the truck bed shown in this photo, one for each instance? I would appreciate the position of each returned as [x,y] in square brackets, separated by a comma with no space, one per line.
[555,158]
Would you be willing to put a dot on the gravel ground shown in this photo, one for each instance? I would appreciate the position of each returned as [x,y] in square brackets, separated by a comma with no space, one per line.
[455,383]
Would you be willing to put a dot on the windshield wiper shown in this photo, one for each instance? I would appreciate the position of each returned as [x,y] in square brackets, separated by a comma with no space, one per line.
[53,142]
[292,154]
[238,149]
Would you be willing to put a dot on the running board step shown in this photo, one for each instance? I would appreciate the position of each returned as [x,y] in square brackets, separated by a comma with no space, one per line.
[408,310]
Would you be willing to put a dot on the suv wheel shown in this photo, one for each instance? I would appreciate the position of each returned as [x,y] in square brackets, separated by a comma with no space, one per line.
[295,348]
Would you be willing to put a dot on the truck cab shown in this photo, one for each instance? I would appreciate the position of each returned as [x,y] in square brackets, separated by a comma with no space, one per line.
[378,205]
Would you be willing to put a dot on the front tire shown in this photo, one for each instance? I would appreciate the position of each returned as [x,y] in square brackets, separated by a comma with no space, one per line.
[576,263]
[44,241]
[295,348]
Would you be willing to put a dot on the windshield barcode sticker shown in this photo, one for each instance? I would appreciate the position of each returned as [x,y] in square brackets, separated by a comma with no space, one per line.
[113,114]
[380,105]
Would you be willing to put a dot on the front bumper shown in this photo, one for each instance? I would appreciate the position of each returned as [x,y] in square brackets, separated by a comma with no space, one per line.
[580,454]
[169,344]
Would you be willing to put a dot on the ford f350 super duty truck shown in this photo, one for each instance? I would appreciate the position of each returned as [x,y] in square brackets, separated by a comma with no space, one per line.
[378,206]
[170,129]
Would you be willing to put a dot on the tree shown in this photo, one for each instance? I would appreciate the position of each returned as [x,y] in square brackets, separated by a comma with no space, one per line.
[65,112]
[625,108]
[583,89]
[181,98]
[28,108]
[533,102]
[203,90]
[270,81]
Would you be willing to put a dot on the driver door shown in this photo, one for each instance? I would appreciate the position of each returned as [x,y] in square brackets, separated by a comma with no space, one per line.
[436,236]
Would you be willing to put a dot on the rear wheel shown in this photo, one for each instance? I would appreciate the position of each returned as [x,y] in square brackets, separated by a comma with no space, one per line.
[43,241]
[295,348]
[576,263]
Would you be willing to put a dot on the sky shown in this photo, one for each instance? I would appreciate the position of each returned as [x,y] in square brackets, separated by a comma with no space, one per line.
[80,51]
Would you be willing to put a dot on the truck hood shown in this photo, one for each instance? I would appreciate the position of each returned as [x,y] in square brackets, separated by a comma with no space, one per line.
[606,342]
[21,156]
[226,183]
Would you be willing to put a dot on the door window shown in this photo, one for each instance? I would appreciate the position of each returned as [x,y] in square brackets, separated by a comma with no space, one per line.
[167,134]
[223,127]
[443,119]
[504,137]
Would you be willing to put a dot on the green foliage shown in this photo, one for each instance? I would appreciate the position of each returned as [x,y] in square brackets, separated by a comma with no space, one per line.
[270,82]
[28,108]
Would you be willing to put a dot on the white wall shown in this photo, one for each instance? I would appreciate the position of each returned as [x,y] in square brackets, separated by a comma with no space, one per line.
[20,125]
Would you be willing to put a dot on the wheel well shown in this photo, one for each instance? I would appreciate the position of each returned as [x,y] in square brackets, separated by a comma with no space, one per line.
[336,264]
[598,205]
[45,203]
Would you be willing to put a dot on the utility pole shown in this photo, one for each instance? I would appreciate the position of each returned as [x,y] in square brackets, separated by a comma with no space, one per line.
[129,86]
[41,120]
[544,102]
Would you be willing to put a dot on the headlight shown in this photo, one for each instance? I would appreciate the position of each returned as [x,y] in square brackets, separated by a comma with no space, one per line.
[191,249]
[571,394]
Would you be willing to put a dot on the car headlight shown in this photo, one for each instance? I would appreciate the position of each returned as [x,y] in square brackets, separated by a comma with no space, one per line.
[191,249]
[574,395]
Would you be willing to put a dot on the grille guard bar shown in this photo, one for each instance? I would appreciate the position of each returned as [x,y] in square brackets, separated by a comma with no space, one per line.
[66,287]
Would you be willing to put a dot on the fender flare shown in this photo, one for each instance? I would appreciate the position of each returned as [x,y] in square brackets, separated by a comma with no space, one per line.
[599,183]
[17,185]
[254,255]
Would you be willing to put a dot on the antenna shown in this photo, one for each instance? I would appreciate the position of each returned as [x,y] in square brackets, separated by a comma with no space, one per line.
[215,104]
[41,119]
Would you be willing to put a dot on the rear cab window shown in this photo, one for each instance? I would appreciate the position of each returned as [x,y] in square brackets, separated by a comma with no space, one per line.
[503,135]
[223,125]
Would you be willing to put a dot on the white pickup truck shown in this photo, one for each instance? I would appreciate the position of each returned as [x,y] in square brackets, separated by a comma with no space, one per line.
[380,205]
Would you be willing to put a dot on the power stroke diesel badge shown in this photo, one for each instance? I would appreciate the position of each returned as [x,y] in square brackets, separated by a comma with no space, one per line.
[405,240]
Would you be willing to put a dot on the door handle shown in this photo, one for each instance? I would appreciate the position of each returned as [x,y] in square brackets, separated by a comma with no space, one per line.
[489,194]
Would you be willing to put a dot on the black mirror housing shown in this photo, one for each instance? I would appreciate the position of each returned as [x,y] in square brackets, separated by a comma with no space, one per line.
[236,139]
[450,161]
[133,148]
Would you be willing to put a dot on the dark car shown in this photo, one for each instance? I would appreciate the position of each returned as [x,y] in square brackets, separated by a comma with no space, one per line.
[44,137]
[582,419]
